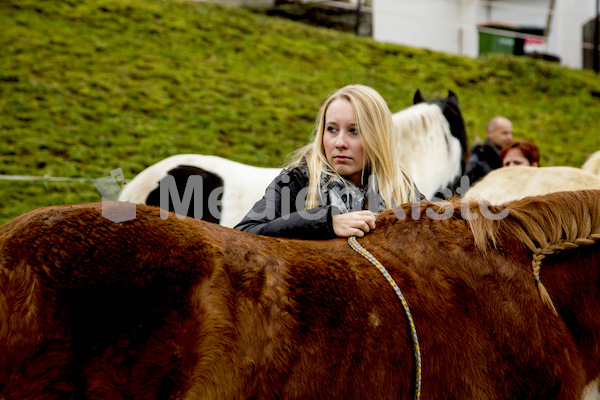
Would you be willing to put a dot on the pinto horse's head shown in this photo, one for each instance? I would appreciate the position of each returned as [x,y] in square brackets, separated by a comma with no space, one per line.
[450,107]
[432,144]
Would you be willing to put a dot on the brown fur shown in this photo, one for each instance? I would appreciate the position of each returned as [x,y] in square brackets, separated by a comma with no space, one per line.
[153,308]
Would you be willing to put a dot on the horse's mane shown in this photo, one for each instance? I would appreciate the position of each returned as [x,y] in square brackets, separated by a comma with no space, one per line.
[546,222]
[545,225]
[426,147]
[421,125]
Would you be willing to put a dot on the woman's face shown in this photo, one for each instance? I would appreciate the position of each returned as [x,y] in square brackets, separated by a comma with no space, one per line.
[342,141]
[515,157]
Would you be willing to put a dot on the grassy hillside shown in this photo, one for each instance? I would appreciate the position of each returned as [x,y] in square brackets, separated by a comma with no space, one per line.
[88,86]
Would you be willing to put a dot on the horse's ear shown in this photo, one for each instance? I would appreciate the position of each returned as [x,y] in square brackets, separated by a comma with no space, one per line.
[453,98]
[418,98]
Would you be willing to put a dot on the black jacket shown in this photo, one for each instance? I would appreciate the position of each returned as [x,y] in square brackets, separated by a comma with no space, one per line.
[278,214]
[281,210]
[482,160]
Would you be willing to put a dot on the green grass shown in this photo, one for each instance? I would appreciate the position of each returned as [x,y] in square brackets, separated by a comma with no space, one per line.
[90,86]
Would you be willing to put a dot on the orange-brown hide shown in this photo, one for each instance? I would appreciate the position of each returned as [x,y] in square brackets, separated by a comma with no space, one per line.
[153,308]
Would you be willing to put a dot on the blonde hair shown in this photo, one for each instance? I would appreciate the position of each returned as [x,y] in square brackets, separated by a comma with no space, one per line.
[374,121]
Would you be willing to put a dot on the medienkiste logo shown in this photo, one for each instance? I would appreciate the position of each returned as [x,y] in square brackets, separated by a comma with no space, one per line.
[110,187]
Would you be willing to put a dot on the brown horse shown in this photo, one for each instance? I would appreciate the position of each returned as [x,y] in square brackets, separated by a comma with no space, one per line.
[152,308]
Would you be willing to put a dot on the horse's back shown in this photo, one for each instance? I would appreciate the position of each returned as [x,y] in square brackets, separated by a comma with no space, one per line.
[512,183]
[165,308]
[177,307]
[592,164]
[87,302]
[242,185]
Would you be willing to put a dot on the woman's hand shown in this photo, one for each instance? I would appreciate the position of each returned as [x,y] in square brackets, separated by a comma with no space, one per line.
[355,223]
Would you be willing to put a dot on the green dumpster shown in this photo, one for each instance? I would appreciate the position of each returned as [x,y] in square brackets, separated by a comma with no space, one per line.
[491,39]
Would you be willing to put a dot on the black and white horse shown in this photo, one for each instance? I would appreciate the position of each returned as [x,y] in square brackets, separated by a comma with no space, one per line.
[234,187]
[431,142]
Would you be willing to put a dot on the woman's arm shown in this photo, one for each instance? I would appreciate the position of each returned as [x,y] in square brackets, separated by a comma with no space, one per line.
[279,213]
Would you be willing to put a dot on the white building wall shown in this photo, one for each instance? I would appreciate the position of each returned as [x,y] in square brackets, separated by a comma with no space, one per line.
[451,25]
[469,37]
[566,32]
[516,12]
[440,25]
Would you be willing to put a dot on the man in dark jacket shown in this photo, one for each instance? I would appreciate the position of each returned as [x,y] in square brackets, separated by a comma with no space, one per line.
[485,157]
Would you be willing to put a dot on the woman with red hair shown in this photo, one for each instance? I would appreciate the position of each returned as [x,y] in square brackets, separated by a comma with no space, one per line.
[520,152]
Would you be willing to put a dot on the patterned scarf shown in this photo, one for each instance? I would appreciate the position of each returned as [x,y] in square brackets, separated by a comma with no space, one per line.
[347,197]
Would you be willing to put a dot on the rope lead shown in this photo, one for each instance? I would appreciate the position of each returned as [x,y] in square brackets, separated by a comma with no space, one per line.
[416,347]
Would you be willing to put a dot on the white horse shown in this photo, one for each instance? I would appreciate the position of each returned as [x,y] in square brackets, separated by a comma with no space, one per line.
[431,143]
[512,183]
[592,164]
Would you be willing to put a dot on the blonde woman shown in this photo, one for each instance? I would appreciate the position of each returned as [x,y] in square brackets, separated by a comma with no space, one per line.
[337,183]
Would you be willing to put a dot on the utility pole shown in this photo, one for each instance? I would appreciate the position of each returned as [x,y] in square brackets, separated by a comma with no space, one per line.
[549,19]
[357,27]
[596,53]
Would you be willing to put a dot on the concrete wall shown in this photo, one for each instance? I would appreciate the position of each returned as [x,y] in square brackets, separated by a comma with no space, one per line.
[566,33]
[517,12]
[441,25]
